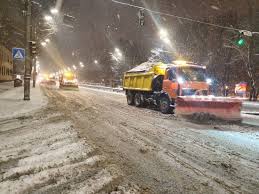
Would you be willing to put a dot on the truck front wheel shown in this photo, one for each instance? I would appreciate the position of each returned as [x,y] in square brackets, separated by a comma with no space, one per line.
[165,105]
[130,98]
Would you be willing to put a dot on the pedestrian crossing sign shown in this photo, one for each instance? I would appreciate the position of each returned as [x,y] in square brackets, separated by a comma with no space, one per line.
[18,54]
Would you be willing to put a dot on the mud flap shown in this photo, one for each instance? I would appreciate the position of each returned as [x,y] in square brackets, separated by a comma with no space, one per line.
[210,107]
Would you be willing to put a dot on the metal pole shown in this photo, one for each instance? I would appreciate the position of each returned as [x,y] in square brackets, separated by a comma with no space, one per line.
[28,62]
[34,74]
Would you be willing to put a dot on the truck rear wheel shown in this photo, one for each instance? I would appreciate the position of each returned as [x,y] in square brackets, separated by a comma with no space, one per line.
[165,105]
[130,98]
[138,100]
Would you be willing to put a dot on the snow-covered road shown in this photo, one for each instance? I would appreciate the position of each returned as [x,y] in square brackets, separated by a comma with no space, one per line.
[91,141]
[250,110]
[41,151]
[163,153]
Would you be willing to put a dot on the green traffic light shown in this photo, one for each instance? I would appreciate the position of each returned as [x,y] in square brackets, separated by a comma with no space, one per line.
[241,42]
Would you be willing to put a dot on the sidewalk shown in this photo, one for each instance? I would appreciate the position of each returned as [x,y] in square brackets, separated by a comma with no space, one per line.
[12,103]
[4,86]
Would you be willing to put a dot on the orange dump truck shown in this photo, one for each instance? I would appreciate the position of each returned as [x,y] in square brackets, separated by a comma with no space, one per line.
[180,86]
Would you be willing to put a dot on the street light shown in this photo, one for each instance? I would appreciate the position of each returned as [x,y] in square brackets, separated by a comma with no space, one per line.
[163,34]
[74,67]
[54,11]
[167,40]
[44,44]
[48,18]
[117,54]
[95,61]
[47,40]
[114,57]
[117,50]
[81,64]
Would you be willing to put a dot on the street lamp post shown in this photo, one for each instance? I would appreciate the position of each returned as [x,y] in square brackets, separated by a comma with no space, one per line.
[34,37]
[28,62]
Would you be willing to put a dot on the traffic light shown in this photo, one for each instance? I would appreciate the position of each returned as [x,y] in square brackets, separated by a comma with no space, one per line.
[33,48]
[240,40]
[141,17]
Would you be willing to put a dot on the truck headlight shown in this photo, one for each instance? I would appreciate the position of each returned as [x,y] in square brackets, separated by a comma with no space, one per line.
[180,80]
[209,81]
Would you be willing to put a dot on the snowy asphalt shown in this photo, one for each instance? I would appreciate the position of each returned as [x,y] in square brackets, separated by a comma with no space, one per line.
[163,153]
[91,141]
[250,110]
[42,152]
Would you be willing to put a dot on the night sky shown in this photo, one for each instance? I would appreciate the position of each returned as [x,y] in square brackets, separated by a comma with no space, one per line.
[103,25]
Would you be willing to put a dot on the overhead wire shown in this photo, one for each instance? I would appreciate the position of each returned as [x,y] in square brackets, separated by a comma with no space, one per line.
[178,17]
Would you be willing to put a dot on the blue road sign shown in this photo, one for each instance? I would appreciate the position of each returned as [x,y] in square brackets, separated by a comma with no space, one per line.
[18,54]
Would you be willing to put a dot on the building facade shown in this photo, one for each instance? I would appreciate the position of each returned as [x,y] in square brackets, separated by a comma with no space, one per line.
[6,64]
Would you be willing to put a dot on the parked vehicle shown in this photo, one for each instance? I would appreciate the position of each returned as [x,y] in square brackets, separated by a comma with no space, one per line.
[18,80]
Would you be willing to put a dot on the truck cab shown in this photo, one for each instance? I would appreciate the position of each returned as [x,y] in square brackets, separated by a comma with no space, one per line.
[185,80]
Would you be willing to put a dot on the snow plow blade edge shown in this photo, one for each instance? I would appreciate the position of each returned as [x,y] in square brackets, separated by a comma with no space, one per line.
[209,107]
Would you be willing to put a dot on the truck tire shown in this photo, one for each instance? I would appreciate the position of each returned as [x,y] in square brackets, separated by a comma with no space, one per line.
[165,105]
[138,100]
[130,98]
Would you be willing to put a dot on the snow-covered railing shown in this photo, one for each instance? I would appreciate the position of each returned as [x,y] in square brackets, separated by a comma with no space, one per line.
[101,87]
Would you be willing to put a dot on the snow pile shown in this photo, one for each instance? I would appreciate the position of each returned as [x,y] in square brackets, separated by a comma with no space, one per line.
[144,67]
[12,103]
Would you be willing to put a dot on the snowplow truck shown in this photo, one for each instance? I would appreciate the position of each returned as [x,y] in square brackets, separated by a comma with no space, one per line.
[68,80]
[181,87]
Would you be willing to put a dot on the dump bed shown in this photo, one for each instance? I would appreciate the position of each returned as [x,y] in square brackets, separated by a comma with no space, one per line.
[141,77]
[141,82]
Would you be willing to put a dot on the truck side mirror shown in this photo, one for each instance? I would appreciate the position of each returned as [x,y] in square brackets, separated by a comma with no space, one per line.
[171,75]
[172,78]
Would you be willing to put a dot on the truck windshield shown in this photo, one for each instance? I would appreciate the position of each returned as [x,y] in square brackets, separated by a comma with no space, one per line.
[192,74]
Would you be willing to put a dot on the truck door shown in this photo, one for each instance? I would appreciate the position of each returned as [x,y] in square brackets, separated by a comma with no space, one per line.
[170,84]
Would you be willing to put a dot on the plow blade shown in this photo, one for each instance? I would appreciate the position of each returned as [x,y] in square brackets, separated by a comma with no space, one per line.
[203,108]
